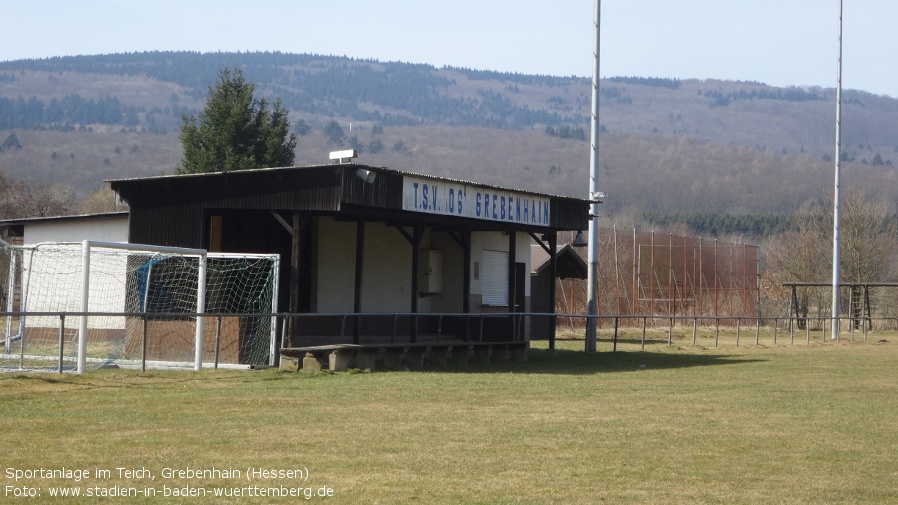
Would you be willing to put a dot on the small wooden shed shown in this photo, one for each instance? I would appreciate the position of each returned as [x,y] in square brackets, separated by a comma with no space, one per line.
[366,252]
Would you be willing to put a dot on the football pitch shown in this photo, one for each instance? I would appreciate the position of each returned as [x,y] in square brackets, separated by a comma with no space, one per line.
[676,424]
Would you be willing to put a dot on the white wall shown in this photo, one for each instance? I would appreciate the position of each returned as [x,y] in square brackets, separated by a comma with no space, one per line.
[497,241]
[334,266]
[69,230]
[450,299]
[387,272]
[387,275]
[54,273]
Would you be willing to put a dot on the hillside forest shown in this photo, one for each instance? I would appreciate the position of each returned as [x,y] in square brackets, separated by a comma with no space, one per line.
[707,157]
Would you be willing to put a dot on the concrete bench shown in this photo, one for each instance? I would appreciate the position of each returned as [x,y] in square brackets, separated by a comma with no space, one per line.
[341,357]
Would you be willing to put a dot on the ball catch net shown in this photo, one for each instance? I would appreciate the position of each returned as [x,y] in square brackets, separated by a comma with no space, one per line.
[129,305]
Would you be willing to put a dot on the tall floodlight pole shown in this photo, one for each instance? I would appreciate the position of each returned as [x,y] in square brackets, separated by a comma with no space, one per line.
[592,309]
[835,308]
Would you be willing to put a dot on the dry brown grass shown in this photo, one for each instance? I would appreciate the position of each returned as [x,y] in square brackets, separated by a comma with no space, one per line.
[787,424]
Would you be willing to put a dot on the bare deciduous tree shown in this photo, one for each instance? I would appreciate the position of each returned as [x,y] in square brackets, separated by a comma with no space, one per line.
[103,200]
[868,244]
[25,199]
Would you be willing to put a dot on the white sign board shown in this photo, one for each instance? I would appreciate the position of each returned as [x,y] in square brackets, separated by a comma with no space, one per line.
[448,198]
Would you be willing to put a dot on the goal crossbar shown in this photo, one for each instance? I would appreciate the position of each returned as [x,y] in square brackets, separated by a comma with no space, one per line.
[85,288]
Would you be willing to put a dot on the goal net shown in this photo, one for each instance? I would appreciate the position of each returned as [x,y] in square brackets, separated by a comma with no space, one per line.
[86,305]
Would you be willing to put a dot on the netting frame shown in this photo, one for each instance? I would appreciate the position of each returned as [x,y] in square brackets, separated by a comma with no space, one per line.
[262,298]
[85,292]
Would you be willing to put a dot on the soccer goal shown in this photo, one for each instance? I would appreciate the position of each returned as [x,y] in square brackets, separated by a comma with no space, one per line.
[92,304]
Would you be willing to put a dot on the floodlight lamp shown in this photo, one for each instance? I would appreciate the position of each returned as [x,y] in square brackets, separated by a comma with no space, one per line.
[597,196]
[366,175]
[344,156]
[579,241]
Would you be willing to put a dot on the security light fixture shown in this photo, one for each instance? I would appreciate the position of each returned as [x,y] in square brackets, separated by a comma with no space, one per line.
[365,175]
[597,196]
[345,156]
[579,241]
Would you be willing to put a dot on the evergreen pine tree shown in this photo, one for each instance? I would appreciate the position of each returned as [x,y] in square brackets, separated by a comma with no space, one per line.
[236,131]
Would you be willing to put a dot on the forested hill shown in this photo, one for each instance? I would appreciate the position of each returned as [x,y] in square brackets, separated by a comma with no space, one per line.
[328,87]
[668,146]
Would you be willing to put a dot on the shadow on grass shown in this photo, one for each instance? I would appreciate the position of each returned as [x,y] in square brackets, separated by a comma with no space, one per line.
[568,362]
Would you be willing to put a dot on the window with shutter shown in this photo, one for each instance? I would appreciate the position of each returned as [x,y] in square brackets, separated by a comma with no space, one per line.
[494,278]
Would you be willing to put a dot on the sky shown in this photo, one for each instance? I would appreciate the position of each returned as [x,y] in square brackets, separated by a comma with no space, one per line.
[777,42]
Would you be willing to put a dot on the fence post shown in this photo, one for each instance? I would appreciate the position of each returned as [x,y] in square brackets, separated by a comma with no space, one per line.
[643,333]
[738,327]
[61,339]
[716,331]
[614,345]
[757,331]
[395,323]
[669,331]
[284,324]
[217,341]
[143,343]
[694,329]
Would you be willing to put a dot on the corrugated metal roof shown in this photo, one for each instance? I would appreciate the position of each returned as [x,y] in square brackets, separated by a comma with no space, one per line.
[367,167]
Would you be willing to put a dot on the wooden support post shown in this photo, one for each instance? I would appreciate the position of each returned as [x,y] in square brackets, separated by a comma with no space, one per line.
[359,266]
[512,281]
[299,222]
[553,267]
[417,237]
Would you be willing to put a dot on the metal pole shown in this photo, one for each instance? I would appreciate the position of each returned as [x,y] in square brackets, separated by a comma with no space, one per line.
[835,308]
[652,280]
[616,272]
[61,340]
[715,277]
[635,302]
[671,307]
[217,341]
[200,308]
[85,290]
[643,333]
[592,309]
[143,341]
[614,345]
[11,296]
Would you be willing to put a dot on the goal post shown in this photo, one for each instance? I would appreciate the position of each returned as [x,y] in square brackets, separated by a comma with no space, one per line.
[256,276]
[85,292]
[136,305]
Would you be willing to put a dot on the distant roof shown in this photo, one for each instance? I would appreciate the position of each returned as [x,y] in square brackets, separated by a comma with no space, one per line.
[73,217]
[569,263]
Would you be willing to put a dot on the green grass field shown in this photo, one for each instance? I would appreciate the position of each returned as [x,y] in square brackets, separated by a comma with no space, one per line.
[681,424]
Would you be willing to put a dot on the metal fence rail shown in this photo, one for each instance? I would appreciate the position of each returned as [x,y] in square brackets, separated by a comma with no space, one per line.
[21,353]
[777,330]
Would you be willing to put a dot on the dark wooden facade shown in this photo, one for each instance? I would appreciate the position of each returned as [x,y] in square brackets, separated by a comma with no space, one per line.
[270,211]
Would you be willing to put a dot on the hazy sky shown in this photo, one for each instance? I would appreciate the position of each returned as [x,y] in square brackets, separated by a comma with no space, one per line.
[778,42]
